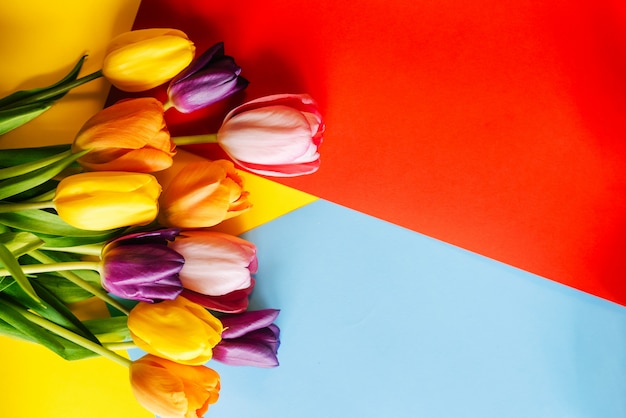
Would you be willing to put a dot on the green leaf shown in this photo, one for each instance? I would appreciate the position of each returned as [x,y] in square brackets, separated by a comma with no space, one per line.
[29,330]
[66,291]
[21,183]
[13,266]
[10,331]
[59,313]
[23,328]
[51,308]
[20,243]
[14,118]
[14,156]
[25,95]
[62,242]
[26,168]
[109,330]
[42,222]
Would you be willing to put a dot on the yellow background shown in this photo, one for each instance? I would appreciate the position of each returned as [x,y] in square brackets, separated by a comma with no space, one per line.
[42,42]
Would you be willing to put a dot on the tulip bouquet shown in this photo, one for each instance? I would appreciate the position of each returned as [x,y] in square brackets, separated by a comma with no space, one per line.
[98,218]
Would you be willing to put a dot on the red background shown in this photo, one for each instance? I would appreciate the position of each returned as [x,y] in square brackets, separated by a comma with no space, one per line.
[494,126]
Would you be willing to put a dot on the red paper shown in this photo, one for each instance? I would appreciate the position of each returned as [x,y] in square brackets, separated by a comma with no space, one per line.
[495,126]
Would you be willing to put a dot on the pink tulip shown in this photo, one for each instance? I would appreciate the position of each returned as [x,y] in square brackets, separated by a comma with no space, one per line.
[275,135]
[216,264]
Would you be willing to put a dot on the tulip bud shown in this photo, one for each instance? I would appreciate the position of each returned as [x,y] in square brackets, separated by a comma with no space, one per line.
[142,267]
[169,389]
[106,200]
[178,330]
[210,78]
[130,135]
[249,339]
[275,135]
[215,263]
[203,194]
[143,59]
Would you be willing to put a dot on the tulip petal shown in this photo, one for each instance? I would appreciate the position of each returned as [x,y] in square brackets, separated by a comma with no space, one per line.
[201,195]
[157,390]
[169,389]
[141,60]
[281,170]
[179,330]
[130,270]
[243,352]
[270,135]
[233,302]
[215,52]
[107,200]
[215,263]
[210,78]
[239,325]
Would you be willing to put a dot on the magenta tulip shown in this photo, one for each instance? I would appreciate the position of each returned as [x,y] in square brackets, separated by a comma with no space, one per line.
[210,78]
[142,267]
[249,339]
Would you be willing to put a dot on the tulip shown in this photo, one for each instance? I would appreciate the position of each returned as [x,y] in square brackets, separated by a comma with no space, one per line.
[275,135]
[172,390]
[178,330]
[143,59]
[130,135]
[212,77]
[142,267]
[249,339]
[215,263]
[106,200]
[203,194]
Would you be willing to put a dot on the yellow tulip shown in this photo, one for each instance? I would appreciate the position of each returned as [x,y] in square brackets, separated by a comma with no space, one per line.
[106,200]
[143,59]
[179,330]
[130,135]
[172,390]
[203,194]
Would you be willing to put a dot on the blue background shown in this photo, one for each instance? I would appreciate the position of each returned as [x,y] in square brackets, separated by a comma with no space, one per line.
[378,321]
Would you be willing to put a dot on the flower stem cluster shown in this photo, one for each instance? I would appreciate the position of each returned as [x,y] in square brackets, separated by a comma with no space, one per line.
[92,220]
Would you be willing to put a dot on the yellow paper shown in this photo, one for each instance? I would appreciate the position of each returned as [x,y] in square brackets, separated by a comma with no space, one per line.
[41,41]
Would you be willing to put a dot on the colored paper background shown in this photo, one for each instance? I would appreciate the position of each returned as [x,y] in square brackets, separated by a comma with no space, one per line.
[495,126]
[486,126]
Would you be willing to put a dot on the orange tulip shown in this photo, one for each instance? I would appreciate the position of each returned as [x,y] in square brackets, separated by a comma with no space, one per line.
[130,135]
[203,194]
[172,390]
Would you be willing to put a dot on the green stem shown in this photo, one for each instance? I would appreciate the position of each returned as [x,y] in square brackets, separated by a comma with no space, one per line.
[126,345]
[47,268]
[88,249]
[195,139]
[44,197]
[17,206]
[73,337]
[65,87]
[77,280]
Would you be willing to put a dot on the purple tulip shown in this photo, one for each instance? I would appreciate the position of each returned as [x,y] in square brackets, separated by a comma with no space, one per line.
[210,78]
[249,339]
[142,267]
